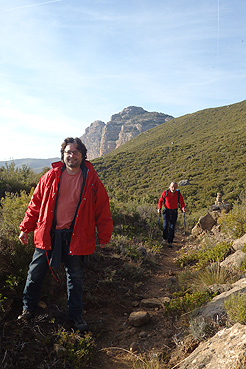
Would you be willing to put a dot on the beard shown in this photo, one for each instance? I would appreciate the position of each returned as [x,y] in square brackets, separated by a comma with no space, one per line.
[72,163]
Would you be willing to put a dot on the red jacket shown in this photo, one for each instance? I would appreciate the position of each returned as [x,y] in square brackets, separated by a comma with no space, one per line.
[94,211]
[171,201]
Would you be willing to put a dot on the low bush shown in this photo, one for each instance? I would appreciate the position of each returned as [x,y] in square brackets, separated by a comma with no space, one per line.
[235,307]
[13,254]
[15,180]
[234,222]
[186,303]
[205,255]
[134,219]
[77,350]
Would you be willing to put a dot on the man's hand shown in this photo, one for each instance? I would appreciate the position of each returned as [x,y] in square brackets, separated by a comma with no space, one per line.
[159,210]
[102,245]
[23,238]
[184,210]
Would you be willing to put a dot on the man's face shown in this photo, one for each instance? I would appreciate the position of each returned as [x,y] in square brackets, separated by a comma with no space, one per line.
[72,156]
[173,187]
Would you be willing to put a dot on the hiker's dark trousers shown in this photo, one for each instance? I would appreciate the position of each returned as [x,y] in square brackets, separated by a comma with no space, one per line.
[169,221]
[74,266]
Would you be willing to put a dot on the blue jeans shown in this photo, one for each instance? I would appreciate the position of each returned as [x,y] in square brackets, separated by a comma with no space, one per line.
[74,266]
[169,222]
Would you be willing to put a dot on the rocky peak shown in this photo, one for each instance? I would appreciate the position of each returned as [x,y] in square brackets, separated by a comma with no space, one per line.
[128,113]
[101,138]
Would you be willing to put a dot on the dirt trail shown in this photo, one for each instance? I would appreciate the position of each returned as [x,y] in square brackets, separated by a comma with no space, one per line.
[115,333]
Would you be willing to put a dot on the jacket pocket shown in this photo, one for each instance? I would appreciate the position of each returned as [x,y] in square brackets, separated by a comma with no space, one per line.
[41,234]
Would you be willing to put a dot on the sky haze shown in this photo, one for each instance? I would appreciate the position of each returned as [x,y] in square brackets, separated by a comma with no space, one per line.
[67,63]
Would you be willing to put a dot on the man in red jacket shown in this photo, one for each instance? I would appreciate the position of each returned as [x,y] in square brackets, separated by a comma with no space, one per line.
[67,204]
[170,199]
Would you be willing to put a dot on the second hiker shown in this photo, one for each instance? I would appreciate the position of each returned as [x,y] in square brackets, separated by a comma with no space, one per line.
[170,200]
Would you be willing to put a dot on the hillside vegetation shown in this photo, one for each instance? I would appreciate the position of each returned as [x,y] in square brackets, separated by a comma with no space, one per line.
[207,148]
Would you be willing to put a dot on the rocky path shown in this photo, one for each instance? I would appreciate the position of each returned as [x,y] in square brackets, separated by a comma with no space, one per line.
[118,340]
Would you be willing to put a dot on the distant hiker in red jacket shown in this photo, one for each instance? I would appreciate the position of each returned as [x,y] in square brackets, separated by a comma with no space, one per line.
[67,204]
[170,200]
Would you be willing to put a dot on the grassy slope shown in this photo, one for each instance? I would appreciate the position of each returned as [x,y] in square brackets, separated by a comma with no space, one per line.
[207,147]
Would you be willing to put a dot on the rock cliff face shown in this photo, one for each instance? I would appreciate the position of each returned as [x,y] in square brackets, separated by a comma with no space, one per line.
[101,138]
[92,139]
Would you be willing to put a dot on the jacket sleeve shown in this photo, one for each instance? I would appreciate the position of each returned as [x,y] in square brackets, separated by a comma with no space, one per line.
[31,217]
[160,203]
[103,217]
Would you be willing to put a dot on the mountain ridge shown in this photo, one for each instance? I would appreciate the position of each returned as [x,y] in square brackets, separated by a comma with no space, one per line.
[101,138]
[36,164]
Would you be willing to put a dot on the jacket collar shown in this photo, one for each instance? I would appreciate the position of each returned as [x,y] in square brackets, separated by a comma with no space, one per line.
[57,164]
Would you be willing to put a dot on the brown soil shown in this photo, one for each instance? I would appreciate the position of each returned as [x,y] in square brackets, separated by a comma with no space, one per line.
[112,293]
[117,336]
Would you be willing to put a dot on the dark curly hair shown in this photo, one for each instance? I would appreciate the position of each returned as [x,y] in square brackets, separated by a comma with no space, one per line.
[80,147]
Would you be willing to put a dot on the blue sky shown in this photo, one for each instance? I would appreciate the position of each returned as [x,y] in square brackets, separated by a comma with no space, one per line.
[67,63]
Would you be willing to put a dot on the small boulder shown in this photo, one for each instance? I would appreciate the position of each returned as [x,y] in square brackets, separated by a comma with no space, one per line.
[233,261]
[239,243]
[139,318]
[207,222]
[184,182]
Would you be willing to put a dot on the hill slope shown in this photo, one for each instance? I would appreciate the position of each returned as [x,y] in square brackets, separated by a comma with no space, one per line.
[207,148]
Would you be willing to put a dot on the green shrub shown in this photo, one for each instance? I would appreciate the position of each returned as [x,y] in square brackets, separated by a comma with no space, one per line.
[13,208]
[186,303]
[134,219]
[205,255]
[235,307]
[15,180]
[78,350]
[13,255]
[234,222]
